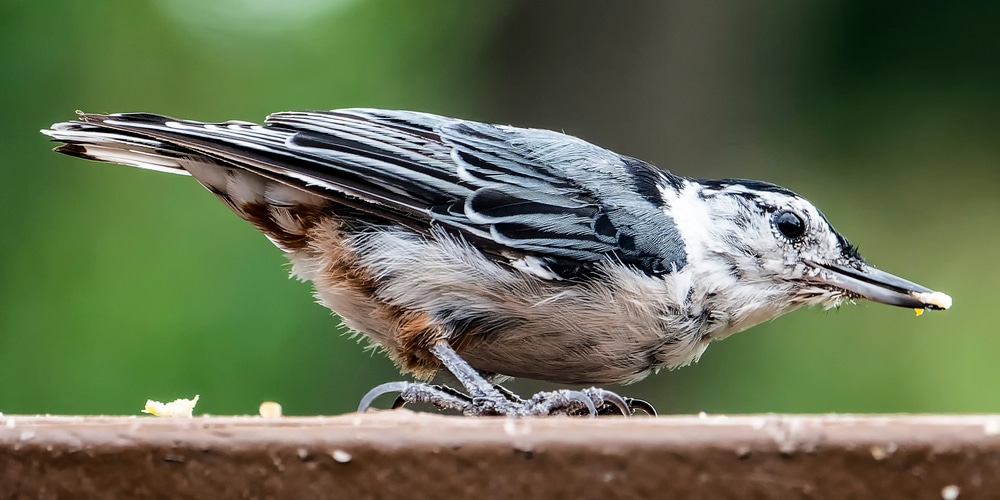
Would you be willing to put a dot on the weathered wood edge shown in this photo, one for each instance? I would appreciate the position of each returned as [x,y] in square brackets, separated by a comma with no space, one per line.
[416,455]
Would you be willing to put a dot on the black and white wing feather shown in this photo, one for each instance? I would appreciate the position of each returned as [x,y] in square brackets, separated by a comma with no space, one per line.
[521,196]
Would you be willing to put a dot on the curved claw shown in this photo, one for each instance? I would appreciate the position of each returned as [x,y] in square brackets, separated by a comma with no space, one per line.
[582,397]
[386,388]
[641,405]
[399,402]
[544,403]
[616,400]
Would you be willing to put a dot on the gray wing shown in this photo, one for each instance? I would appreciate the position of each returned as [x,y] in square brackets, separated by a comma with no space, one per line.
[514,193]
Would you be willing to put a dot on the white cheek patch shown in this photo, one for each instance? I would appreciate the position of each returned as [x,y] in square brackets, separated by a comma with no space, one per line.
[689,214]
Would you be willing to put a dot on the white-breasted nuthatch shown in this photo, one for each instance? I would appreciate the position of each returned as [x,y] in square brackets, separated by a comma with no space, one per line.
[497,251]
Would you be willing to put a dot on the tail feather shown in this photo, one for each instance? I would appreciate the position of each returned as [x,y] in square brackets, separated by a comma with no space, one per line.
[266,203]
[245,165]
[93,142]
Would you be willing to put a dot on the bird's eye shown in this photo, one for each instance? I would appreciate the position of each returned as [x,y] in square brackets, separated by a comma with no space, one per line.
[790,224]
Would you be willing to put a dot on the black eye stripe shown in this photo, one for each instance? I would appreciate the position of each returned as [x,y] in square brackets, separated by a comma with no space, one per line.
[789,224]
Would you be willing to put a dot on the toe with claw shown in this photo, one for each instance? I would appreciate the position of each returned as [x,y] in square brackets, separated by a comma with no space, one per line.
[587,402]
[484,398]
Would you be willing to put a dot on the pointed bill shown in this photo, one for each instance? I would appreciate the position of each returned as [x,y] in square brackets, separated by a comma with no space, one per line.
[879,286]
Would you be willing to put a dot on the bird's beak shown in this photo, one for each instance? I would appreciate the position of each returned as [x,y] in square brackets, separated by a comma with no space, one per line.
[878,286]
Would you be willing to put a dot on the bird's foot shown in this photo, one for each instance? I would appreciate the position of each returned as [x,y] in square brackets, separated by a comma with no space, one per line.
[587,402]
[483,398]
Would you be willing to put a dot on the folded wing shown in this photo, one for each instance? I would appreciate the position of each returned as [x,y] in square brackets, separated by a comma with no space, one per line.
[545,202]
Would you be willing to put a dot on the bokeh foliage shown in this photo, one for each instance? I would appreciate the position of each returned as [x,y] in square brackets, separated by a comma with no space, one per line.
[118,285]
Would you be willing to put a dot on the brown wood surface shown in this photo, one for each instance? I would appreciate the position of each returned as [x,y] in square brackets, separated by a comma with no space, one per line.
[412,455]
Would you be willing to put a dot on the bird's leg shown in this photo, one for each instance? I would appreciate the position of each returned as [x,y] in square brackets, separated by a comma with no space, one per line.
[485,398]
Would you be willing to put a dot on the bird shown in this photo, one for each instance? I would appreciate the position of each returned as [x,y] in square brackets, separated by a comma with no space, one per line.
[487,252]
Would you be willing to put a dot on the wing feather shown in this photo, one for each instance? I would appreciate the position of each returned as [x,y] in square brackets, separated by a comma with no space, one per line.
[514,193]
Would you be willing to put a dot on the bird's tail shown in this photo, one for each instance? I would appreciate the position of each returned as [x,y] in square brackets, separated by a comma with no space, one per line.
[264,201]
[390,166]
[90,140]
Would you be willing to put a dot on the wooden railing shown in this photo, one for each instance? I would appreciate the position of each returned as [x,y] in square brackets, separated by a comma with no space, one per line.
[409,455]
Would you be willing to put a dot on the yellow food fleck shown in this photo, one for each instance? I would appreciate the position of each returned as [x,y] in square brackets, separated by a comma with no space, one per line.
[919,311]
[176,408]
[270,409]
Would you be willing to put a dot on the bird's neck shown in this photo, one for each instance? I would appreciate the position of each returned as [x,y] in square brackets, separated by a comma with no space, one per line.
[728,288]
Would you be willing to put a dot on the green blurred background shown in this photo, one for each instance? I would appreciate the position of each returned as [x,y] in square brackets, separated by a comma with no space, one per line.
[118,285]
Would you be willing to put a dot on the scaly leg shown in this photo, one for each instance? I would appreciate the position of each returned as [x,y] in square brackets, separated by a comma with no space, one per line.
[485,398]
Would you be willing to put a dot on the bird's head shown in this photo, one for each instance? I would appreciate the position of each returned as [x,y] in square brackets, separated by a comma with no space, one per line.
[770,251]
